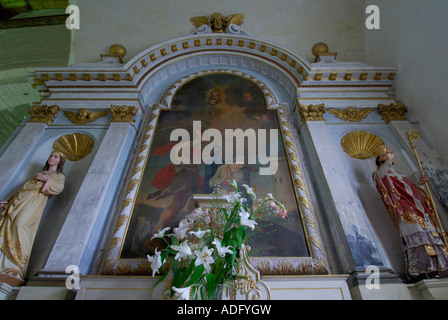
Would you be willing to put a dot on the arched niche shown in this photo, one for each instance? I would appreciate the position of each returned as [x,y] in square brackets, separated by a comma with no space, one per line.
[280,69]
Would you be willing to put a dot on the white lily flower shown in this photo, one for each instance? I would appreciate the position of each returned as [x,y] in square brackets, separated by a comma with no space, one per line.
[200,233]
[161,233]
[221,250]
[232,197]
[156,262]
[235,184]
[183,251]
[183,293]
[204,257]
[245,219]
[180,232]
[250,191]
[196,213]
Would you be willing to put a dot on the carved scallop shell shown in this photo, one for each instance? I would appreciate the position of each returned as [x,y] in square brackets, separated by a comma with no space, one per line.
[74,146]
[360,144]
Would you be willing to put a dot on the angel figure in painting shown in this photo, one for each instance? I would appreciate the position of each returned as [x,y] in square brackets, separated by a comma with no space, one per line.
[21,215]
[409,207]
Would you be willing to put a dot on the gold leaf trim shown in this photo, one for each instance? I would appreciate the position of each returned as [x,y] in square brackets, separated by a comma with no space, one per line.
[360,144]
[84,116]
[131,185]
[351,114]
[115,241]
[44,113]
[312,112]
[122,219]
[125,204]
[136,170]
[74,146]
[392,112]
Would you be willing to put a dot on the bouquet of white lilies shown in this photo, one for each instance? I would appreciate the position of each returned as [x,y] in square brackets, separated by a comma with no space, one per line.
[204,252]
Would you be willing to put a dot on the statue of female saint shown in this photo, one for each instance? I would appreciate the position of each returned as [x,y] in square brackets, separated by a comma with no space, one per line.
[410,209]
[20,217]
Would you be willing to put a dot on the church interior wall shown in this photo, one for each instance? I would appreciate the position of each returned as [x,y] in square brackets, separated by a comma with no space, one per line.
[293,24]
[413,38]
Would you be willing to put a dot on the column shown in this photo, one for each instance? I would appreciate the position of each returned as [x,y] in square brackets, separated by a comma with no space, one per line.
[350,230]
[19,150]
[83,228]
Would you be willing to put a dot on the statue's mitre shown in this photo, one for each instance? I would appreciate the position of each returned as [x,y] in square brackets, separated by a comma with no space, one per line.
[379,151]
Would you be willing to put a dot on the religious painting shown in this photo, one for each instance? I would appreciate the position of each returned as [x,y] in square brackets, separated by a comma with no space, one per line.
[215,103]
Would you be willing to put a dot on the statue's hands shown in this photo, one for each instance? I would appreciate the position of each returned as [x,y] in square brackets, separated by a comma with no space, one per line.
[41,177]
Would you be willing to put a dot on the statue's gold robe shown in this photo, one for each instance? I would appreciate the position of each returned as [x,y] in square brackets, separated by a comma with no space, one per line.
[20,219]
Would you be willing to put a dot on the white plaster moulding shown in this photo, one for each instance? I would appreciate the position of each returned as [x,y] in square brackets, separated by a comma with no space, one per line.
[135,75]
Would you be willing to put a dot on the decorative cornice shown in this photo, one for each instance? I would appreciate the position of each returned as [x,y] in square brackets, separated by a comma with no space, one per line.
[43,113]
[392,112]
[312,112]
[351,114]
[134,74]
[123,113]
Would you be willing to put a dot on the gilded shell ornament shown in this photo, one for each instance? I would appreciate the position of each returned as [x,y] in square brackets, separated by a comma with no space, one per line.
[360,144]
[74,146]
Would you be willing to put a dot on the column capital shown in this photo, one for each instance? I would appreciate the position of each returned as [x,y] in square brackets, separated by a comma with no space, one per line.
[393,112]
[312,112]
[123,113]
[44,113]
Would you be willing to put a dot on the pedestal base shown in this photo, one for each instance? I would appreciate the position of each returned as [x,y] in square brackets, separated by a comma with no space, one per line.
[280,287]
[430,289]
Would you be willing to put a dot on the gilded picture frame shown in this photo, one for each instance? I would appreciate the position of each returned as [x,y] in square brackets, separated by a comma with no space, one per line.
[123,259]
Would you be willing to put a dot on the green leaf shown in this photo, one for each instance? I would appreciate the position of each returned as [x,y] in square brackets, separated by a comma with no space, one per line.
[239,236]
[177,277]
[197,274]
[211,284]
[174,240]
[161,279]
[186,273]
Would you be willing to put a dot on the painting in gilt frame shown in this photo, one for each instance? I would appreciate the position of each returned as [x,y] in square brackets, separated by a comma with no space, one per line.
[165,191]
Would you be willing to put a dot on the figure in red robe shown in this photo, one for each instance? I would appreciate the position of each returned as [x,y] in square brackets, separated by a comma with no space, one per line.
[176,185]
[411,211]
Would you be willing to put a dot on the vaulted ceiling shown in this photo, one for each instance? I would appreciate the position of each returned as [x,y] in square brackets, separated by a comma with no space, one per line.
[32,34]
[20,13]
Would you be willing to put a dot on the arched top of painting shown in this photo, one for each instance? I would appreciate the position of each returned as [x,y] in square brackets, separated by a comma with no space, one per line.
[167,62]
[215,89]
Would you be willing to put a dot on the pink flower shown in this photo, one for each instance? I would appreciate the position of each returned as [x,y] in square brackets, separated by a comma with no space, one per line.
[284,216]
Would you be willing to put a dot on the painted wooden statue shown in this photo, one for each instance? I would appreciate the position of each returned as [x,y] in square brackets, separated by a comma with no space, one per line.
[411,211]
[20,218]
